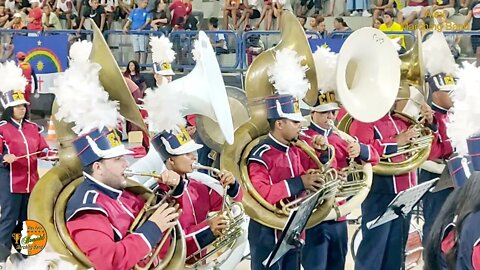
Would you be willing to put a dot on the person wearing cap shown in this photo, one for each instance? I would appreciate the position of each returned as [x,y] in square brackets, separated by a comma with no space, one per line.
[203,194]
[22,145]
[101,210]
[329,239]
[278,171]
[381,247]
[34,19]
[162,58]
[29,74]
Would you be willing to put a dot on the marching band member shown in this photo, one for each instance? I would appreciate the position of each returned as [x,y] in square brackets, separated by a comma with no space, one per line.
[100,212]
[329,239]
[203,194]
[22,145]
[381,247]
[276,168]
[162,57]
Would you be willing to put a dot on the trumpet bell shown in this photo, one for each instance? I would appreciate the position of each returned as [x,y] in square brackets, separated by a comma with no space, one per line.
[368,79]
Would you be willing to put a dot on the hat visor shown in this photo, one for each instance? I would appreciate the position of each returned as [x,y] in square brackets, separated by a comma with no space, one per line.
[167,72]
[189,147]
[326,107]
[295,117]
[17,102]
[117,151]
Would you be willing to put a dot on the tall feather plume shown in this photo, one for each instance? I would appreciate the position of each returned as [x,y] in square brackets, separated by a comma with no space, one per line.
[80,95]
[162,50]
[437,56]
[465,120]
[164,108]
[288,75]
[326,68]
[13,78]
[196,52]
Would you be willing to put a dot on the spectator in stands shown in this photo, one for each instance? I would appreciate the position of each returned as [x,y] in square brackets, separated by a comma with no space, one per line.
[412,11]
[124,8]
[475,19]
[96,13]
[390,25]
[446,6]
[339,25]
[139,20]
[50,20]
[34,19]
[318,25]
[110,7]
[464,7]
[254,45]
[253,9]
[51,3]
[3,16]
[10,6]
[267,14]
[302,20]
[161,18]
[16,23]
[180,9]
[377,23]
[304,6]
[231,8]
[66,10]
[380,6]
[278,7]
[219,43]
[358,8]
[133,73]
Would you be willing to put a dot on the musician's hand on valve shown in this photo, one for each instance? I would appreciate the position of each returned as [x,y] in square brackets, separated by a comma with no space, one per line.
[226,178]
[342,175]
[9,158]
[407,136]
[217,225]
[312,181]
[353,149]
[319,142]
[164,217]
[427,113]
[169,178]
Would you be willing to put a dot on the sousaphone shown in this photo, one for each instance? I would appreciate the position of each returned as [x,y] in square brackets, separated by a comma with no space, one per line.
[49,197]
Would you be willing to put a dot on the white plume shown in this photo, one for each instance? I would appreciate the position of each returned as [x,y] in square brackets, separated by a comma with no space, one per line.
[196,52]
[162,50]
[437,56]
[164,106]
[80,95]
[465,120]
[288,75]
[12,78]
[44,261]
[326,68]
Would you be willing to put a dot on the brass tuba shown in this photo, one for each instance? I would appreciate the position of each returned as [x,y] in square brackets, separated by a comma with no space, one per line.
[234,157]
[411,73]
[49,198]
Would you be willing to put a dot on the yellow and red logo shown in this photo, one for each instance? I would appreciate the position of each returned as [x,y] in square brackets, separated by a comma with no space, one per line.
[29,237]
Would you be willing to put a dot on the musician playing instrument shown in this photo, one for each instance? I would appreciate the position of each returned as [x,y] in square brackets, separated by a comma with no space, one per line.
[328,240]
[381,247]
[100,212]
[278,170]
[200,197]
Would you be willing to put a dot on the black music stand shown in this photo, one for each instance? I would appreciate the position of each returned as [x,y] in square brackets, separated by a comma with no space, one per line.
[400,207]
[296,223]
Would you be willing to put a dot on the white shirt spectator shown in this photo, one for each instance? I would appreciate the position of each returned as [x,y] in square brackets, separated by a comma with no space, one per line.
[257,4]
[220,37]
[287,5]
[10,5]
[64,6]
[109,5]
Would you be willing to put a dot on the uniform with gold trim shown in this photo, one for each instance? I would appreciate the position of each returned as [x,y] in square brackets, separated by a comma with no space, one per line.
[329,239]
[199,198]
[108,244]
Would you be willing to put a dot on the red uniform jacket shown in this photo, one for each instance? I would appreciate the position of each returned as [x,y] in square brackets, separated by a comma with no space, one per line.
[197,201]
[381,136]
[19,140]
[441,147]
[98,218]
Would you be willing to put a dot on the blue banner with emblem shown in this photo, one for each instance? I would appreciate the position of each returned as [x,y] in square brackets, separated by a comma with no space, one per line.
[46,54]
[333,43]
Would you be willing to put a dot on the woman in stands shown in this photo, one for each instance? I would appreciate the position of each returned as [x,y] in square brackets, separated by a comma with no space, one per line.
[133,73]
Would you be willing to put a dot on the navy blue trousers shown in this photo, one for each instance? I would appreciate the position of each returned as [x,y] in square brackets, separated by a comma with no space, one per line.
[326,246]
[13,209]
[432,203]
[262,242]
[381,247]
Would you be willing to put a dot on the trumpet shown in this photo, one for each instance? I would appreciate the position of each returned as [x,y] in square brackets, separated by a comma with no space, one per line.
[198,166]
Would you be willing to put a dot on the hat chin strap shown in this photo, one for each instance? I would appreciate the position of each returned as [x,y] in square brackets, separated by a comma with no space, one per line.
[99,152]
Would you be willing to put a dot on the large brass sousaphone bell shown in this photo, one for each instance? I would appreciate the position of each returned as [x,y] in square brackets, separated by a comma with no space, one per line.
[234,157]
[49,198]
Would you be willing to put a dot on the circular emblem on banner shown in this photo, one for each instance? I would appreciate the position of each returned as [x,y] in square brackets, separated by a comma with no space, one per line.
[29,237]
[476,11]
